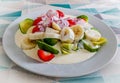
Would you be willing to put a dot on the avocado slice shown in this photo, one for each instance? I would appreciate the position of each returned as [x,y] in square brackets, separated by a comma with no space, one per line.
[84,17]
[47,47]
[90,47]
[50,41]
[25,25]
[64,51]
[66,48]
[101,41]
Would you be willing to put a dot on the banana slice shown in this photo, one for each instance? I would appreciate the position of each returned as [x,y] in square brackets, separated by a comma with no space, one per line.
[35,36]
[78,31]
[30,29]
[50,30]
[67,35]
[56,26]
[92,35]
[51,35]
[27,44]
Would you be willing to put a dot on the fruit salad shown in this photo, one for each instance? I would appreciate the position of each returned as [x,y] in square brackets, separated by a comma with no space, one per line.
[55,33]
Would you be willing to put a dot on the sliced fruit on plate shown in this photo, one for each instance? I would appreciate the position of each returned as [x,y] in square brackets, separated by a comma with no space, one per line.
[30,30]
[35,36]
[25,25]
[51,35]
[37,20]
[27,44]
[75,46]
[84,17]
[78,31]
[67,35]
[71,22]
[92,35]
[66,48]
[64,51]
[56,26]
[35,29]
[45,56]
[50,41]
[47,47]
[50,30]
[88,45]
[60,13]
[101,41]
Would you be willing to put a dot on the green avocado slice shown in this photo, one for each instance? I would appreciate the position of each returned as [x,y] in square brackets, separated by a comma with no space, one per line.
[25,25]
[83,17]
[50,41]
[90,47]
[66,48]
[46,47]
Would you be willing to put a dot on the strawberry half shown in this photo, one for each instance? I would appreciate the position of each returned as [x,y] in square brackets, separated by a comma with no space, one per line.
[71,22]
[35,29]
[45,56]
[60,13]
[37,20]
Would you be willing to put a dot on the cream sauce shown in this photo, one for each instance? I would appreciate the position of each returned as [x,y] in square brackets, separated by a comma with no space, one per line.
[74,57]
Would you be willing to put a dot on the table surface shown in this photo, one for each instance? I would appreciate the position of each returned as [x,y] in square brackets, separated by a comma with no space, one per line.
[107,11]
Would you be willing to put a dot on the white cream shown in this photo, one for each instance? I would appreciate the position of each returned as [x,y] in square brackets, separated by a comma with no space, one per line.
[74,57]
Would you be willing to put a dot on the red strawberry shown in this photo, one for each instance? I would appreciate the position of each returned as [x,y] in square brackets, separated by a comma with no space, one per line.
[35,29]
[71,22]
[45,56]
[36,21]
[60,13]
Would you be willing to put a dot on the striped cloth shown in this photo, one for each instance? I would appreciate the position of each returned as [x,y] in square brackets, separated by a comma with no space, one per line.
[107,12]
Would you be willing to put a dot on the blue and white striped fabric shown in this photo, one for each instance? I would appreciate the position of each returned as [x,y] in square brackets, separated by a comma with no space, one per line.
[107,12]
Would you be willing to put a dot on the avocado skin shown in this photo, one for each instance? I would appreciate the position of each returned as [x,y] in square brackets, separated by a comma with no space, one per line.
[25,25]
[47,47]
[89,48]
[50,41]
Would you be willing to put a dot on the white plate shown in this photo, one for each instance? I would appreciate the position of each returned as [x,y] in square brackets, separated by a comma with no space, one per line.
[103,57]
